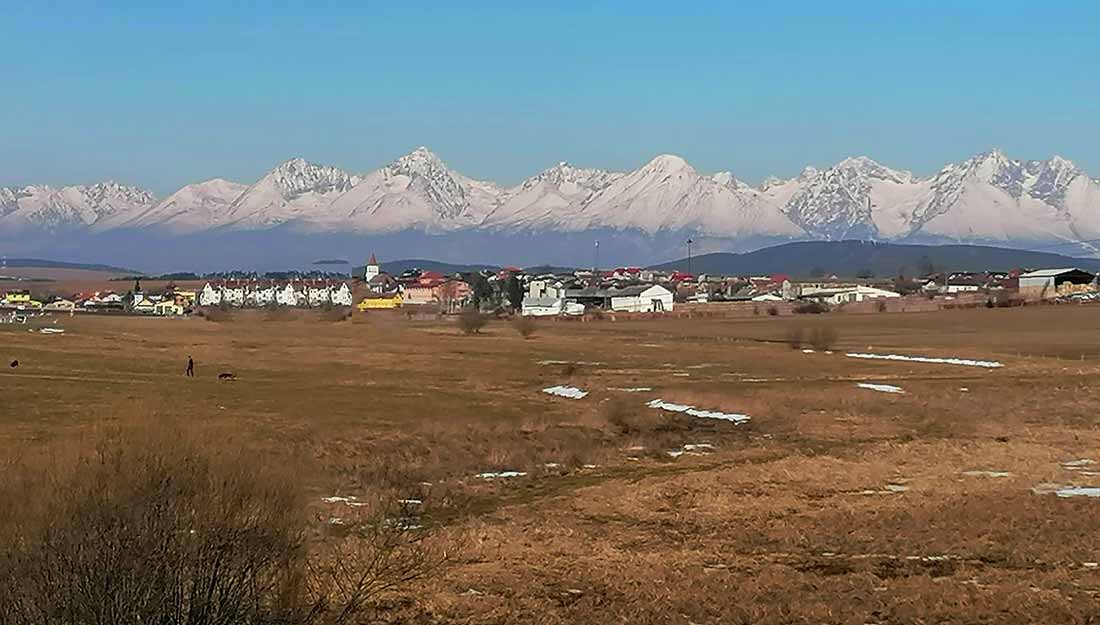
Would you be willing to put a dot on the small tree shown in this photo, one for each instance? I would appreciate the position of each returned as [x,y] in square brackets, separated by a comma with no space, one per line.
[794,337]
[525,326]
[823,337]
[514,291]
[471,321]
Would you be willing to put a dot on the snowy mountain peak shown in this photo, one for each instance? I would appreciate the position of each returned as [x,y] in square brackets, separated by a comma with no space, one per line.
[298,176]
[420,161]
[668,163]
[430,177]
[865,166]
[727,179]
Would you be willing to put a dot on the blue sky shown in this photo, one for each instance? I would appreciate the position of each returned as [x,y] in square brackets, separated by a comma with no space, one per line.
[178,92]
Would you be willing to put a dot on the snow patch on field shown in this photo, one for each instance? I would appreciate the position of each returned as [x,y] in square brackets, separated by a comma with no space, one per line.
[984,473]
[570,392]
[660,404]
[988,364]
[631,389]
[348,501]
[589,363]
[882,388]
[492,475]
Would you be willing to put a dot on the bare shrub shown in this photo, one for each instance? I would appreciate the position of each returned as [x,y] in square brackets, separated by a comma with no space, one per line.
[279,313]
[823,337]
[334,314]
[165,528]
[630,418]
[773,311]
[794,337]
[811,307]
[471,321]
[525,326]
[216,313]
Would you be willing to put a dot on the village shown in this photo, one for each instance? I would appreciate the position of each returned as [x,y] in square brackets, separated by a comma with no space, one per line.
[584,293]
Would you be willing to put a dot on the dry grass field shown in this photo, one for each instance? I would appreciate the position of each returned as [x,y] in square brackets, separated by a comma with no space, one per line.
[832,504]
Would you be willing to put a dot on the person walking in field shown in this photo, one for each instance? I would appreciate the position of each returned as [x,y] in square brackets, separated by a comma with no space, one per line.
[190,367]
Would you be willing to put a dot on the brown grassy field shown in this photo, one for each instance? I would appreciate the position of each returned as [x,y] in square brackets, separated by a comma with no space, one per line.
[833,504]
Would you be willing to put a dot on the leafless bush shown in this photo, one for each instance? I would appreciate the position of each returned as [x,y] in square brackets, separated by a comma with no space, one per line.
[279,313]
[334,313]
[158,528]
[823,337]
[794,337]
[630,418]
[471,321]
[811,307]
[216,313]
[525,326]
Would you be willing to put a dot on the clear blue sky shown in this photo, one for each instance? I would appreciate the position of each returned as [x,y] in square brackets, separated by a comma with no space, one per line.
[164,95]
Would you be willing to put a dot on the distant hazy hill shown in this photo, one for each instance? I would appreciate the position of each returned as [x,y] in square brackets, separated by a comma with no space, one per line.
[396,267]
[57,264]
[850,258]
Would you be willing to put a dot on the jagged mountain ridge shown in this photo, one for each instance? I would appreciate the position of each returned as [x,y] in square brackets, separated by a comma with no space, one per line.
[988,197]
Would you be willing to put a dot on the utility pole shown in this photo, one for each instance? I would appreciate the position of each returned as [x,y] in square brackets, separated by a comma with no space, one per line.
[689,242]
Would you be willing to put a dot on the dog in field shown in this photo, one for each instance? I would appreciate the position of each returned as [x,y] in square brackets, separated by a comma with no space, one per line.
[227,376]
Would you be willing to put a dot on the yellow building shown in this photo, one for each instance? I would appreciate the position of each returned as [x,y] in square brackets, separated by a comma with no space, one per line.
[13,298]
[384,302]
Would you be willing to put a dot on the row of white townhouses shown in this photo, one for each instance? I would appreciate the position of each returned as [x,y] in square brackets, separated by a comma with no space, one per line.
[255,294]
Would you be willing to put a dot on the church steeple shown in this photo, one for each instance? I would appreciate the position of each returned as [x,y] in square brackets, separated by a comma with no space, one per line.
[372,268]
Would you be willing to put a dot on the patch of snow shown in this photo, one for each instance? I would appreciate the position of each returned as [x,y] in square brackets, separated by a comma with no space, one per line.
[963,389]
[882,388]
[348,501]
[570,392]
[1078,491]
[988,364]
[492,475]
[632,389]
[590,363]
[681,375]
[410,502]
[978,473]
[896,488]
[1066,491]
[1075,465]
[808,351]
[698,447]
[51,331]
[696,412]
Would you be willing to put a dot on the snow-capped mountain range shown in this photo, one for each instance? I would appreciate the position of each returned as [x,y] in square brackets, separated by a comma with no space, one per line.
[987,198]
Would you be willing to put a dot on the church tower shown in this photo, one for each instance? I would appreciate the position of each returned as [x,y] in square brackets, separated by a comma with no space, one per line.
[372,269]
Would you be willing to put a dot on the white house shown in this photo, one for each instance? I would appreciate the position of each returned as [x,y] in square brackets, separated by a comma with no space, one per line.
[210,296]
[262,296]
[543,299]
[318,296]
[836,297]
[233,295]
[342,296]
[644,298]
